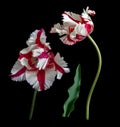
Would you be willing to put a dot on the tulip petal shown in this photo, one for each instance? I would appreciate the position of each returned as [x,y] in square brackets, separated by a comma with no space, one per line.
[60,29]
[71,18]
[75,27]
[61,66]
[49,77]
[31,77]
[18,72]
[60,60]
[32,38]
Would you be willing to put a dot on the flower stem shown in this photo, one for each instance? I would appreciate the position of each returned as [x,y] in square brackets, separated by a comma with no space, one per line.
[33,104]
[96,77]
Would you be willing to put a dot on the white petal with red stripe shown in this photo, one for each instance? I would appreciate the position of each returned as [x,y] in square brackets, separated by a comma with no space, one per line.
[38,37]
[61,66]
[36,52]
[32,38]
[28,49]
[18,72]
[60,29]
[66,40]
[41,64]
[80,30]
[71,18]
[75,27]
[49,77]
[60,60]
[41,81]
[25,63]
[42,58]
[43,36]
[31,77]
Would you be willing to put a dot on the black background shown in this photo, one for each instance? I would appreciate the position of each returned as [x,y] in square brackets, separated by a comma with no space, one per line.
[20,19]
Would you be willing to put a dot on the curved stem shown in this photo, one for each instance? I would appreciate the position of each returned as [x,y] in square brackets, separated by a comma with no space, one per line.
[96,77]
[33,104]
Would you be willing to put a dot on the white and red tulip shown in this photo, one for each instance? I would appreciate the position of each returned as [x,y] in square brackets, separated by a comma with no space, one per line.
[37,64]
[75,27]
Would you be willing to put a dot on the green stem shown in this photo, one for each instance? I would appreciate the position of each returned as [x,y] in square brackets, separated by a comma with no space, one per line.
[33,104]
[96,76]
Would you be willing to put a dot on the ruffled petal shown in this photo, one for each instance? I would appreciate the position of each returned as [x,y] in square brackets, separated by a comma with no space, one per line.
[86,13]
[60,29]
[18,72]
[42,63]
[31,77]
[28,49]
[36,52]
[42,58]
[38,37]
[79,29]
[43,36]
[25,62]
[75,27]
[67,40]
[71,18]
[90,12]
[61,66]
[32,38]
[41,80]
[60,60]
[49,77]
[41,40]
[26,57]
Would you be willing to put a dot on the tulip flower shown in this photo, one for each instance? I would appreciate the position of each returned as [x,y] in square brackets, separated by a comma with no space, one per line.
[37,64]
[74,29]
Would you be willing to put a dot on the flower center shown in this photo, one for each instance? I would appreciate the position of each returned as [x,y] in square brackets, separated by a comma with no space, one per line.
[34,60]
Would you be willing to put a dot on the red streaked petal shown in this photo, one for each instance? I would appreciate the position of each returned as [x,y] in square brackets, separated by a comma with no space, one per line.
[27,55]
[43,55]
[59,68]
[41,79]
[71,17]
[41,40]
[88,28]
[50,74]
[20,72]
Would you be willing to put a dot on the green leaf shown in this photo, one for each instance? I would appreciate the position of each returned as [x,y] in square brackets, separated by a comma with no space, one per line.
[73,92]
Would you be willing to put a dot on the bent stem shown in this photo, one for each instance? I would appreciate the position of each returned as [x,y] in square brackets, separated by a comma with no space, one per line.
[96,77]
[33,104]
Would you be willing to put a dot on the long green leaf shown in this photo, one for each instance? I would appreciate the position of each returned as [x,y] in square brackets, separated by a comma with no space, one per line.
[73,92]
